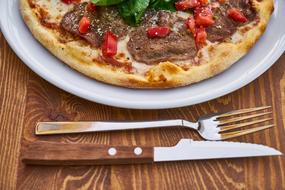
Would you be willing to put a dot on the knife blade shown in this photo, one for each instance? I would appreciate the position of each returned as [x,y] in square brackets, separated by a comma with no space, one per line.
[188,149]
[46,153]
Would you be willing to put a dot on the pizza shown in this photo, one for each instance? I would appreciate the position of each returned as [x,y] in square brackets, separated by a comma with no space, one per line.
[148,43]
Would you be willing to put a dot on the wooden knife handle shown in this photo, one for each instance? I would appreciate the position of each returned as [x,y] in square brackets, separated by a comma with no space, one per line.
[47,153]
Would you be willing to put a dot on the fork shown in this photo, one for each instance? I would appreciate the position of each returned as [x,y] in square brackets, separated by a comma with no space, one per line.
[215,127]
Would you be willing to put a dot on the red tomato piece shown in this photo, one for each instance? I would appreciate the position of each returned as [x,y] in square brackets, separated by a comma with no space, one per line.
[186,4]
[204,10]
[203,2]
[67,1]
[70,1]
[160,32]
[204,16]
[84,25]
[201,36]
[237,15]
[190,24]
[90,7]
[109,46]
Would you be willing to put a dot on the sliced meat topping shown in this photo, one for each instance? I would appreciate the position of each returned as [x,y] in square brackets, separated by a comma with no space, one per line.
[102,20]
[224,26]
[177,45]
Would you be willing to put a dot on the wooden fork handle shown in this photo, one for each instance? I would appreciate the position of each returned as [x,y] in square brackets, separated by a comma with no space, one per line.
[47,153]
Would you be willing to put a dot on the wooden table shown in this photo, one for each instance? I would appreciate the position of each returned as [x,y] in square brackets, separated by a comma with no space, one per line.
[25,98]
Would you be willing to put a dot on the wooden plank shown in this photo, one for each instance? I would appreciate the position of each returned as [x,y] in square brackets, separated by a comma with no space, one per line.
[13,83]
[29,99]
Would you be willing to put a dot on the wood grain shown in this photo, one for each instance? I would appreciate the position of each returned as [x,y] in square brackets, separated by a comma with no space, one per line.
[27,99]
[76,154]
[13,88]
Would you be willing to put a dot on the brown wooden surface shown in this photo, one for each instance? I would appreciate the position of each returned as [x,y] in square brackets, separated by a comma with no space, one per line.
[25,98]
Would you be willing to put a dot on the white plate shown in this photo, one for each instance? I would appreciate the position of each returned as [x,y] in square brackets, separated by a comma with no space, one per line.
[261,57]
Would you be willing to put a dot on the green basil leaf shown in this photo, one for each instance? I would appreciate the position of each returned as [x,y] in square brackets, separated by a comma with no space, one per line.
[133,10]
[163,5]
[106,2]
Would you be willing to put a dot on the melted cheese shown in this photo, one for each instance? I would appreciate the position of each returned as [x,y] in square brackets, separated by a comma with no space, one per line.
[236,37]
[55,9]
[183,15]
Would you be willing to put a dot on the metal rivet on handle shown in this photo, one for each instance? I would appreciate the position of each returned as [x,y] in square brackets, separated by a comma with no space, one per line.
[112,151]
[138,151]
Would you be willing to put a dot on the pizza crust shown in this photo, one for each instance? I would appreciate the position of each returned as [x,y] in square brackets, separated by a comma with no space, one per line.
[76,54]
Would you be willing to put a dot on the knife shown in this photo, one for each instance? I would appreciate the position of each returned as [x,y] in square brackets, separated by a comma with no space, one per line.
[47,153]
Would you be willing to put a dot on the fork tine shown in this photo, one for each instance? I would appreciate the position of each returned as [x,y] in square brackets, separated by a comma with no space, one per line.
[223,122]
[242,111]
[244,132]
[236,126]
